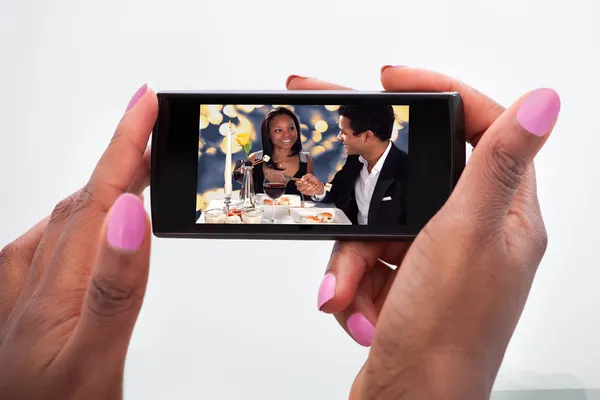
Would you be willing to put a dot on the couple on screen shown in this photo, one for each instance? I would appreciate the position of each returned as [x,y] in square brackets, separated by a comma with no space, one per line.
[370,187]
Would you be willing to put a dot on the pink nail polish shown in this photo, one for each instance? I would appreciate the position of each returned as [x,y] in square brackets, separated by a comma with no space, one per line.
[538,111]
[137,95]
[326,290]
[127,223]
[361,329]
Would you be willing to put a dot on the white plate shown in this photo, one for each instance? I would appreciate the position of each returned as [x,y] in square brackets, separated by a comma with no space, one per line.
[294,199]
[339,218]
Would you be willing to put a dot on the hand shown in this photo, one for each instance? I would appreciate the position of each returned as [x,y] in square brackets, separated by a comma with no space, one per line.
[72,286]
[310,185]
[445,316]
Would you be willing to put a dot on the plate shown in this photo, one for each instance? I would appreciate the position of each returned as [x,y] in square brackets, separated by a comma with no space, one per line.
[299,216]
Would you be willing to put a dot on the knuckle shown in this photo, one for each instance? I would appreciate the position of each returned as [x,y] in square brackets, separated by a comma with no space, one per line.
[63,209]
[8,255]
[86,202]
[506,168]
[109,298]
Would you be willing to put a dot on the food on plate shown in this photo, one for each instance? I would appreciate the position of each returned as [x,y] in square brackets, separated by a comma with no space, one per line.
[283,201]
[322,218]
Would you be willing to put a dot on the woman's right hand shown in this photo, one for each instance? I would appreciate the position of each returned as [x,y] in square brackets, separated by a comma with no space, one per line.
[439,324]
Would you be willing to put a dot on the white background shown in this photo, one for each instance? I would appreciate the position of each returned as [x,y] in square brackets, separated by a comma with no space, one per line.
[235,324]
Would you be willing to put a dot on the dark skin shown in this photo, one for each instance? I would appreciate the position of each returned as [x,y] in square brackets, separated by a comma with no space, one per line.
[366,144]
[445,315]
[283,134]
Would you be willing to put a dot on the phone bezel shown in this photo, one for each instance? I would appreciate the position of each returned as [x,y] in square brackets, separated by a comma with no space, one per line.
[436,154]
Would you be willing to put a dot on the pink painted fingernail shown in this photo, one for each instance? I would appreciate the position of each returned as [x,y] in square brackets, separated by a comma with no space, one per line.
[127,223]
[538,111]
[137,95]
[326,290]
[361,329]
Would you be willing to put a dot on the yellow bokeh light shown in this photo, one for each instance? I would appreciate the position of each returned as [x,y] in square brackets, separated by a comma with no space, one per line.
[304,127]
[328,145]
[215,118]
[229,110]
[203,122]
[211,150]
[247,108]
[332,108]
[321,126]
[201,203]
[316,136]
[401,113]
[204,109]
[303,138]
[235,147]
[315,151]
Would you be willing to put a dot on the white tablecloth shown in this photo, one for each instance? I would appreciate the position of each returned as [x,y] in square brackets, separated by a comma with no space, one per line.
[282,213]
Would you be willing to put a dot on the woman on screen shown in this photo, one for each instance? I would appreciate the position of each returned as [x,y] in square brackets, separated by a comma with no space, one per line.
[281,141]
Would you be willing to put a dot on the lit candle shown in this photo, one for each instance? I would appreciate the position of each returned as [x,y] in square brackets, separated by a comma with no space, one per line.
[228,173]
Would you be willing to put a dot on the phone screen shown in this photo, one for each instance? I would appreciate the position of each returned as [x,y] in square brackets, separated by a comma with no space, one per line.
[303,164]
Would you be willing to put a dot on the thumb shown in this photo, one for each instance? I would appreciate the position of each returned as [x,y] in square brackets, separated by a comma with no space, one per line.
[500,160]
[118,283]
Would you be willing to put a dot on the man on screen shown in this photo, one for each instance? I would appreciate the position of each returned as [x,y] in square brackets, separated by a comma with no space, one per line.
[370,187]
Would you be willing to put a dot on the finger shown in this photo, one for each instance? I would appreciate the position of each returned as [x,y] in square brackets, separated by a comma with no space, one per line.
[348,264]
[142,178]
[117,286]
[295,82]
[45,250]
[480,111]
[113,175]
[15,261]
[360,318]
[498,165]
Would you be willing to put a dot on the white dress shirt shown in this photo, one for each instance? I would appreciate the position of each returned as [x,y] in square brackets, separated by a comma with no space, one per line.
[365,186]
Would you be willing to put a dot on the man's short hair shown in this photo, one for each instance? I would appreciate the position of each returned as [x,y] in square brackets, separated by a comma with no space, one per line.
[377,118]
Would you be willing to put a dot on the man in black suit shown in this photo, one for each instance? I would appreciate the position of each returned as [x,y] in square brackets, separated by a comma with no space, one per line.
[371,186]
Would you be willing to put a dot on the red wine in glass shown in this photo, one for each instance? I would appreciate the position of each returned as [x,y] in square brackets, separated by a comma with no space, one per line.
[274,190]
[274,186]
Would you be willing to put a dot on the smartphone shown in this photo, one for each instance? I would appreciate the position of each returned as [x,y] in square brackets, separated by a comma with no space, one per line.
[303,165]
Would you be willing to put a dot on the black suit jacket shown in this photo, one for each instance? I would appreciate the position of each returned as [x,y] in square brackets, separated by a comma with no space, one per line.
[391,183]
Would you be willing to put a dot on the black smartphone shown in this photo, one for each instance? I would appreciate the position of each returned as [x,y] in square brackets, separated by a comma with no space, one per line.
[298,165]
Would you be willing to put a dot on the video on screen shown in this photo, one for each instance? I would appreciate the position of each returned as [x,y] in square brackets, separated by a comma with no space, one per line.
[302,164]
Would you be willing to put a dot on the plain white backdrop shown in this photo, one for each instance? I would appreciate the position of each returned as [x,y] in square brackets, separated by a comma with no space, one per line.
[238,320]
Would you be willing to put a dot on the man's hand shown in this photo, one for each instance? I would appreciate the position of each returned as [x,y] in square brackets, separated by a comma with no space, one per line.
[310,185]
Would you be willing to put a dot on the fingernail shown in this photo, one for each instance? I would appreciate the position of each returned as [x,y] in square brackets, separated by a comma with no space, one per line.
[361,329]
[326,290]
[292,77]
[127,223]
[391,66]
[140,92]
[538,111]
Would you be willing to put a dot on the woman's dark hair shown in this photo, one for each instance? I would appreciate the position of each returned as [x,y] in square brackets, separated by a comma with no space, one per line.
[374,117]
[267,144]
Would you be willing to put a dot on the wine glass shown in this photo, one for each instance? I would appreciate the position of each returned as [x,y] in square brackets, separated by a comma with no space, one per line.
[274,186]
